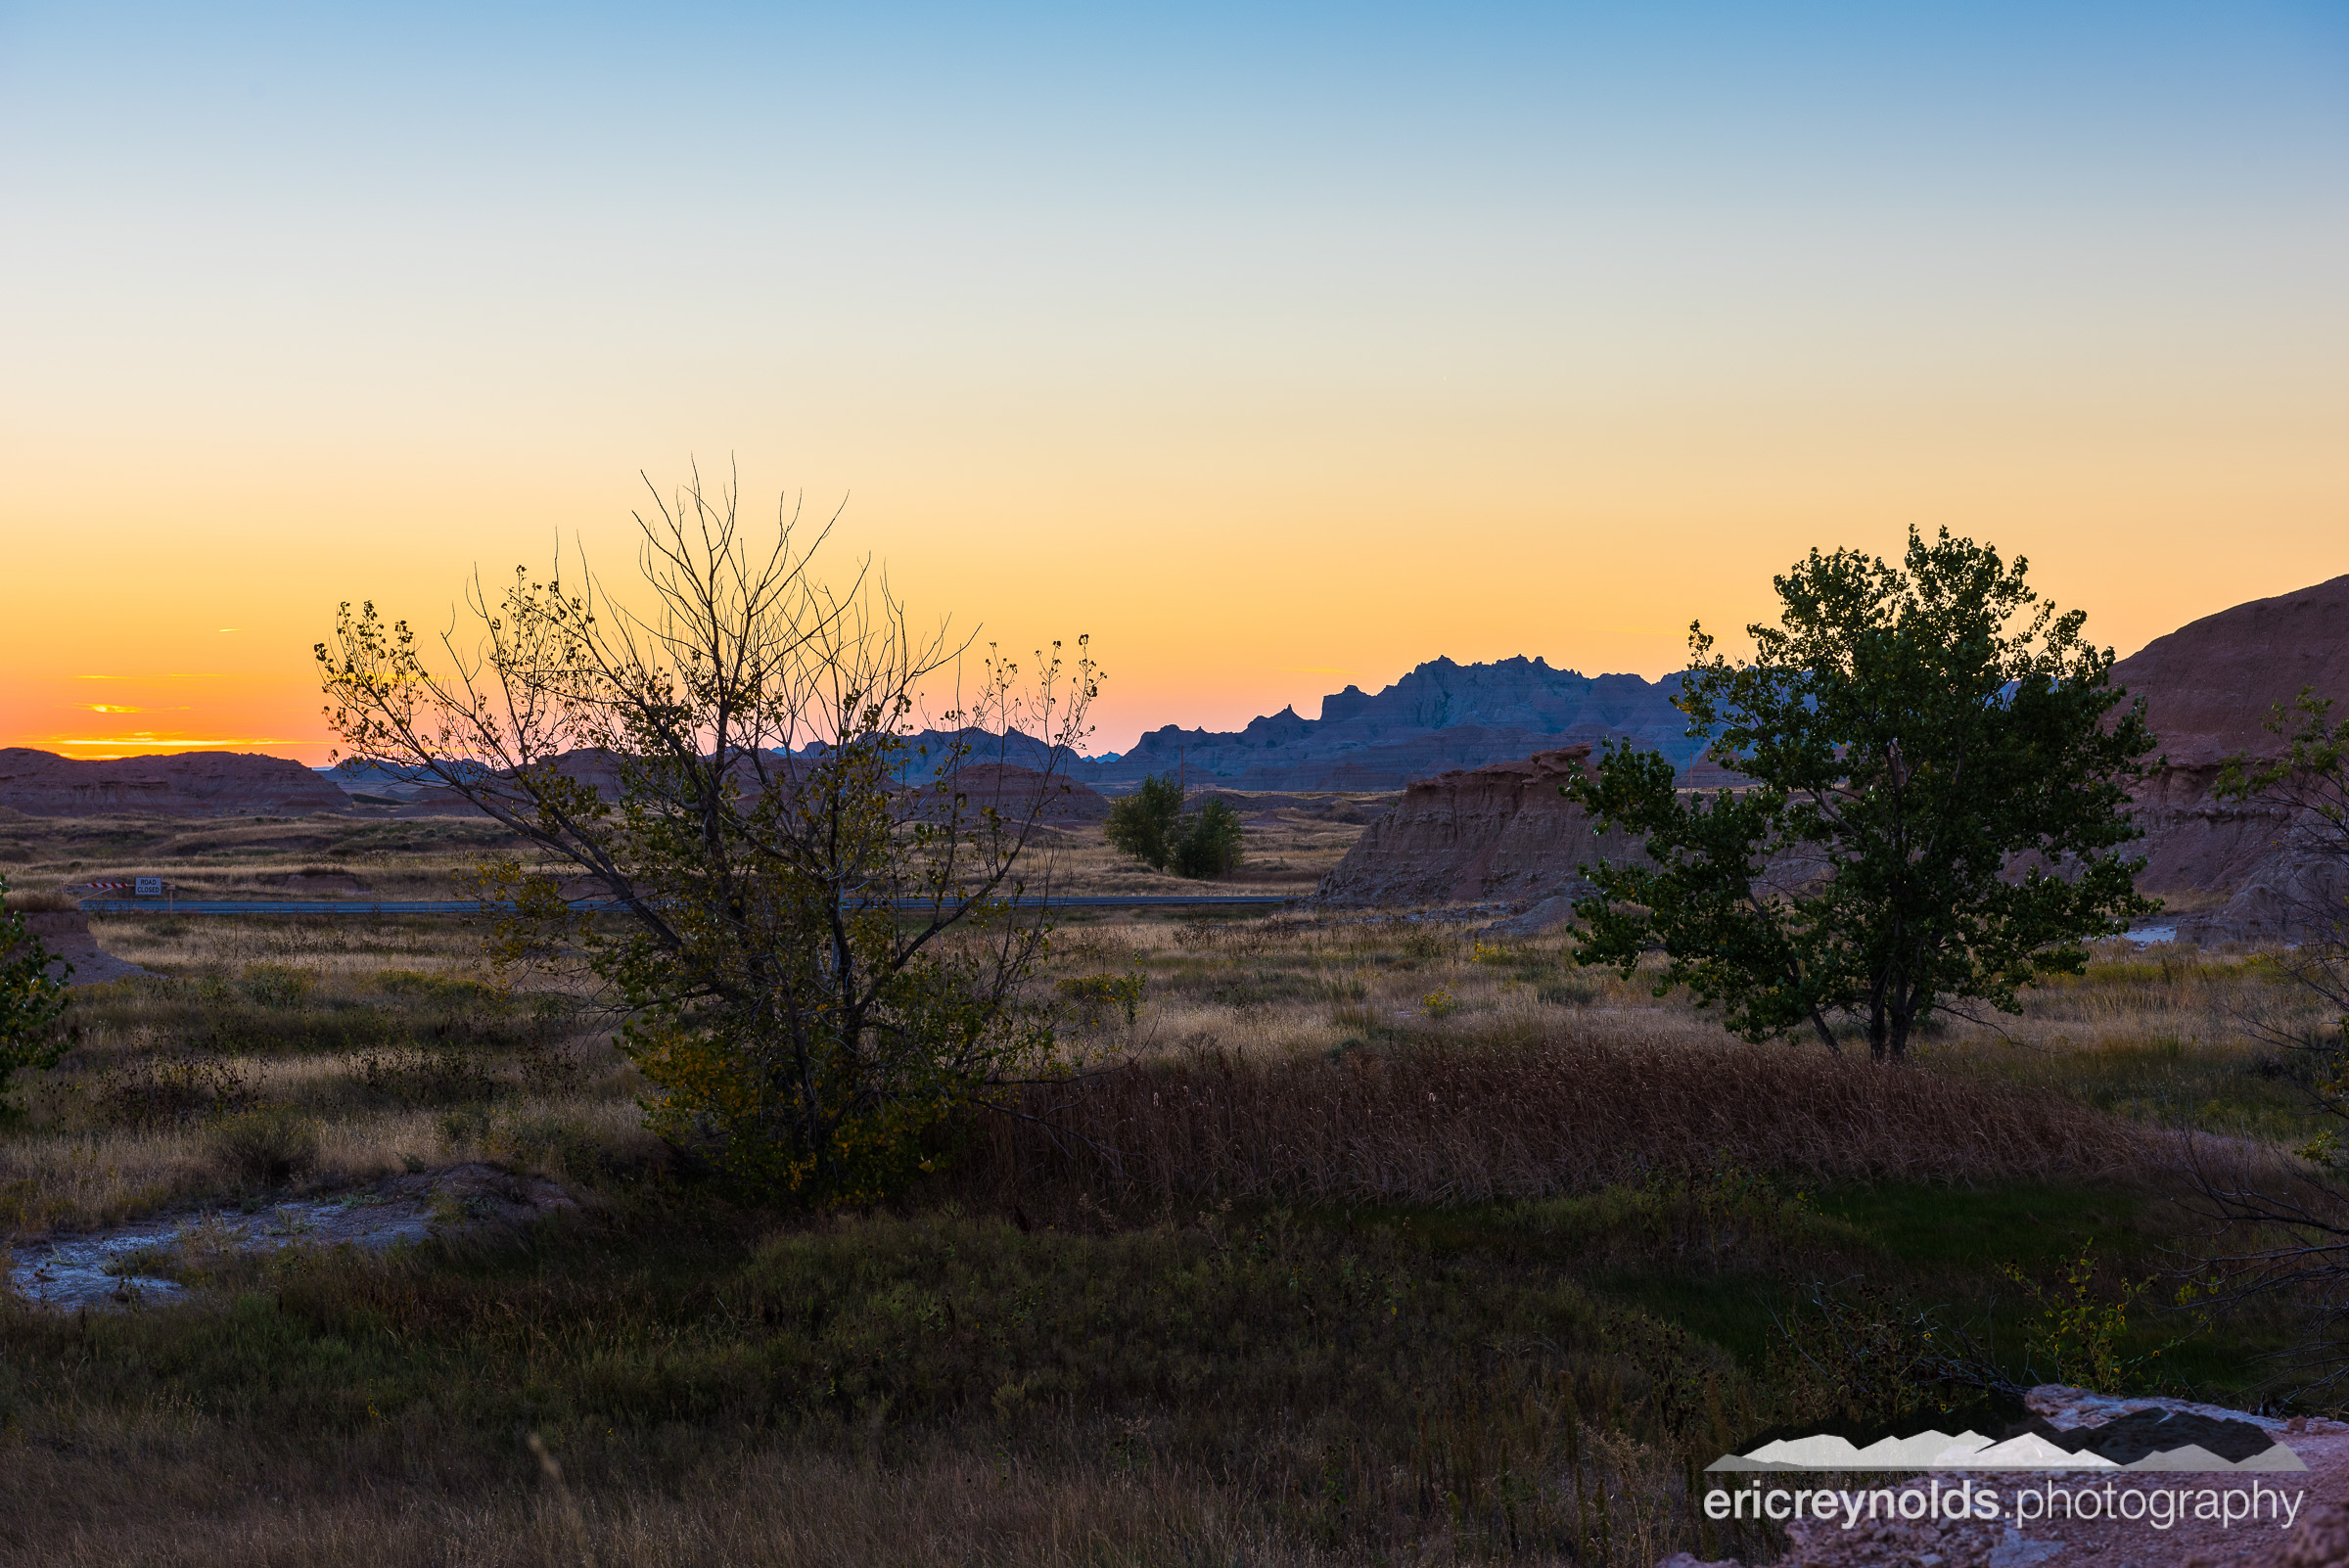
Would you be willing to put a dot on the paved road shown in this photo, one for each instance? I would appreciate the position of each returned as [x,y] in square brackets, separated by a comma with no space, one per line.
[425,906]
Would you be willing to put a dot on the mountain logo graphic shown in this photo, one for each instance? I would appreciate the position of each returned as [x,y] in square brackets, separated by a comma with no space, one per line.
[2142,1441]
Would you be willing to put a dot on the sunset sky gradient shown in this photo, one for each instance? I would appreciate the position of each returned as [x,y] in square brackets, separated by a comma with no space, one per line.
[1278,348]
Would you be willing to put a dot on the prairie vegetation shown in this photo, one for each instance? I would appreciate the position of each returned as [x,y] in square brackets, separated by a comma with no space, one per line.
[1380,1242]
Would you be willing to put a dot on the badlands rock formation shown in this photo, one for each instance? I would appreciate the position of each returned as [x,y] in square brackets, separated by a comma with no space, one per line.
[1493,834]
[1440,716]
[2208,687]
[189,784]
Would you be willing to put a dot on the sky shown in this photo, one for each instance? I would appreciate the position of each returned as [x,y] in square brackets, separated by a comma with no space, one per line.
[1274,346]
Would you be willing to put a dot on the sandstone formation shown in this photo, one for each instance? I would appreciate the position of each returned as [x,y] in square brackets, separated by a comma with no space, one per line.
[1494,834]
[1440,716]
[2209,687]
[188,784]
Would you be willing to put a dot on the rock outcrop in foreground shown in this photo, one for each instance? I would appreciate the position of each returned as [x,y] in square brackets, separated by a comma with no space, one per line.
[2300,1521]
[1497,833]
[188,784]
[2208,687]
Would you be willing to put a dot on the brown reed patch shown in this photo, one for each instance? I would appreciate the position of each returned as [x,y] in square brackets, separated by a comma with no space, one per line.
[1471,1122]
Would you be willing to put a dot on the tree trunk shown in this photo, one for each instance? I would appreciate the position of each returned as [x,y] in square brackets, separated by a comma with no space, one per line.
[1826,1033]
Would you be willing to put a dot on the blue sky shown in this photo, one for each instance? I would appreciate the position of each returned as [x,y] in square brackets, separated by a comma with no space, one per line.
[1258,341]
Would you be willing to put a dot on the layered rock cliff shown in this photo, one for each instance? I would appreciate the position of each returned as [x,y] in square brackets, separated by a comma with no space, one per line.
[1494,834]
[189,784]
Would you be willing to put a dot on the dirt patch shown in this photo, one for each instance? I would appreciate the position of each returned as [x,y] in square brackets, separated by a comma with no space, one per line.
[66,937]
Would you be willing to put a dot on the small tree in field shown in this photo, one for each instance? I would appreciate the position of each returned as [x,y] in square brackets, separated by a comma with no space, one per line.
[31,1000]
[1147,823]
[820,967]
[1937,804]
[1150,826]
[1209,844]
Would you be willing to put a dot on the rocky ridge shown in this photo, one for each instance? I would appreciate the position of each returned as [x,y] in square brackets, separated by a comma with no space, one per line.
[188,784]
[1440,715]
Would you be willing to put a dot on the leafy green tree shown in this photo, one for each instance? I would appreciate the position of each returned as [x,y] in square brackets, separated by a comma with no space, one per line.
[1937,804]
[820,968]
[1150,826]
[31,1001]
[1147,823]
[1209,844]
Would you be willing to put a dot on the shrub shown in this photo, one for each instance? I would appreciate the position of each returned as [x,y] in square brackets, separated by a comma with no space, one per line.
[167,1090]
[1091,995]
[417,1077]
[30,1000]
[817,935]
[268,1147]
[1210,842]
[277,985]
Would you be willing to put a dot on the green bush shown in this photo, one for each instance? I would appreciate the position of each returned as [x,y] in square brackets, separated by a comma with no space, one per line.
[31,999]
[1144,824]
[1150,826]
[1210,842]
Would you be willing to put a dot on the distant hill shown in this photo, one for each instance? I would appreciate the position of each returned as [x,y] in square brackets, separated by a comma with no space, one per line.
[185,784]
[2208,687]
[1442,715]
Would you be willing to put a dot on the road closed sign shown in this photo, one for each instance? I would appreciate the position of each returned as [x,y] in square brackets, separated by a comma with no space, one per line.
[150,887]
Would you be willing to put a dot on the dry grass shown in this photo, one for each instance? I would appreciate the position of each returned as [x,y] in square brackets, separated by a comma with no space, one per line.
[1285,851]
[1536,1117]
[259,856]
[778,1508]
[326,856]
[1094,1496]
[1292,1066]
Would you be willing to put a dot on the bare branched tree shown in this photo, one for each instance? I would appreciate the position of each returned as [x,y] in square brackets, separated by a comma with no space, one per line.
[824,918]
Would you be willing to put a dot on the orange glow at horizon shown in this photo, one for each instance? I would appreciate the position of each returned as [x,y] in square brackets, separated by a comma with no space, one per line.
[1276,362]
